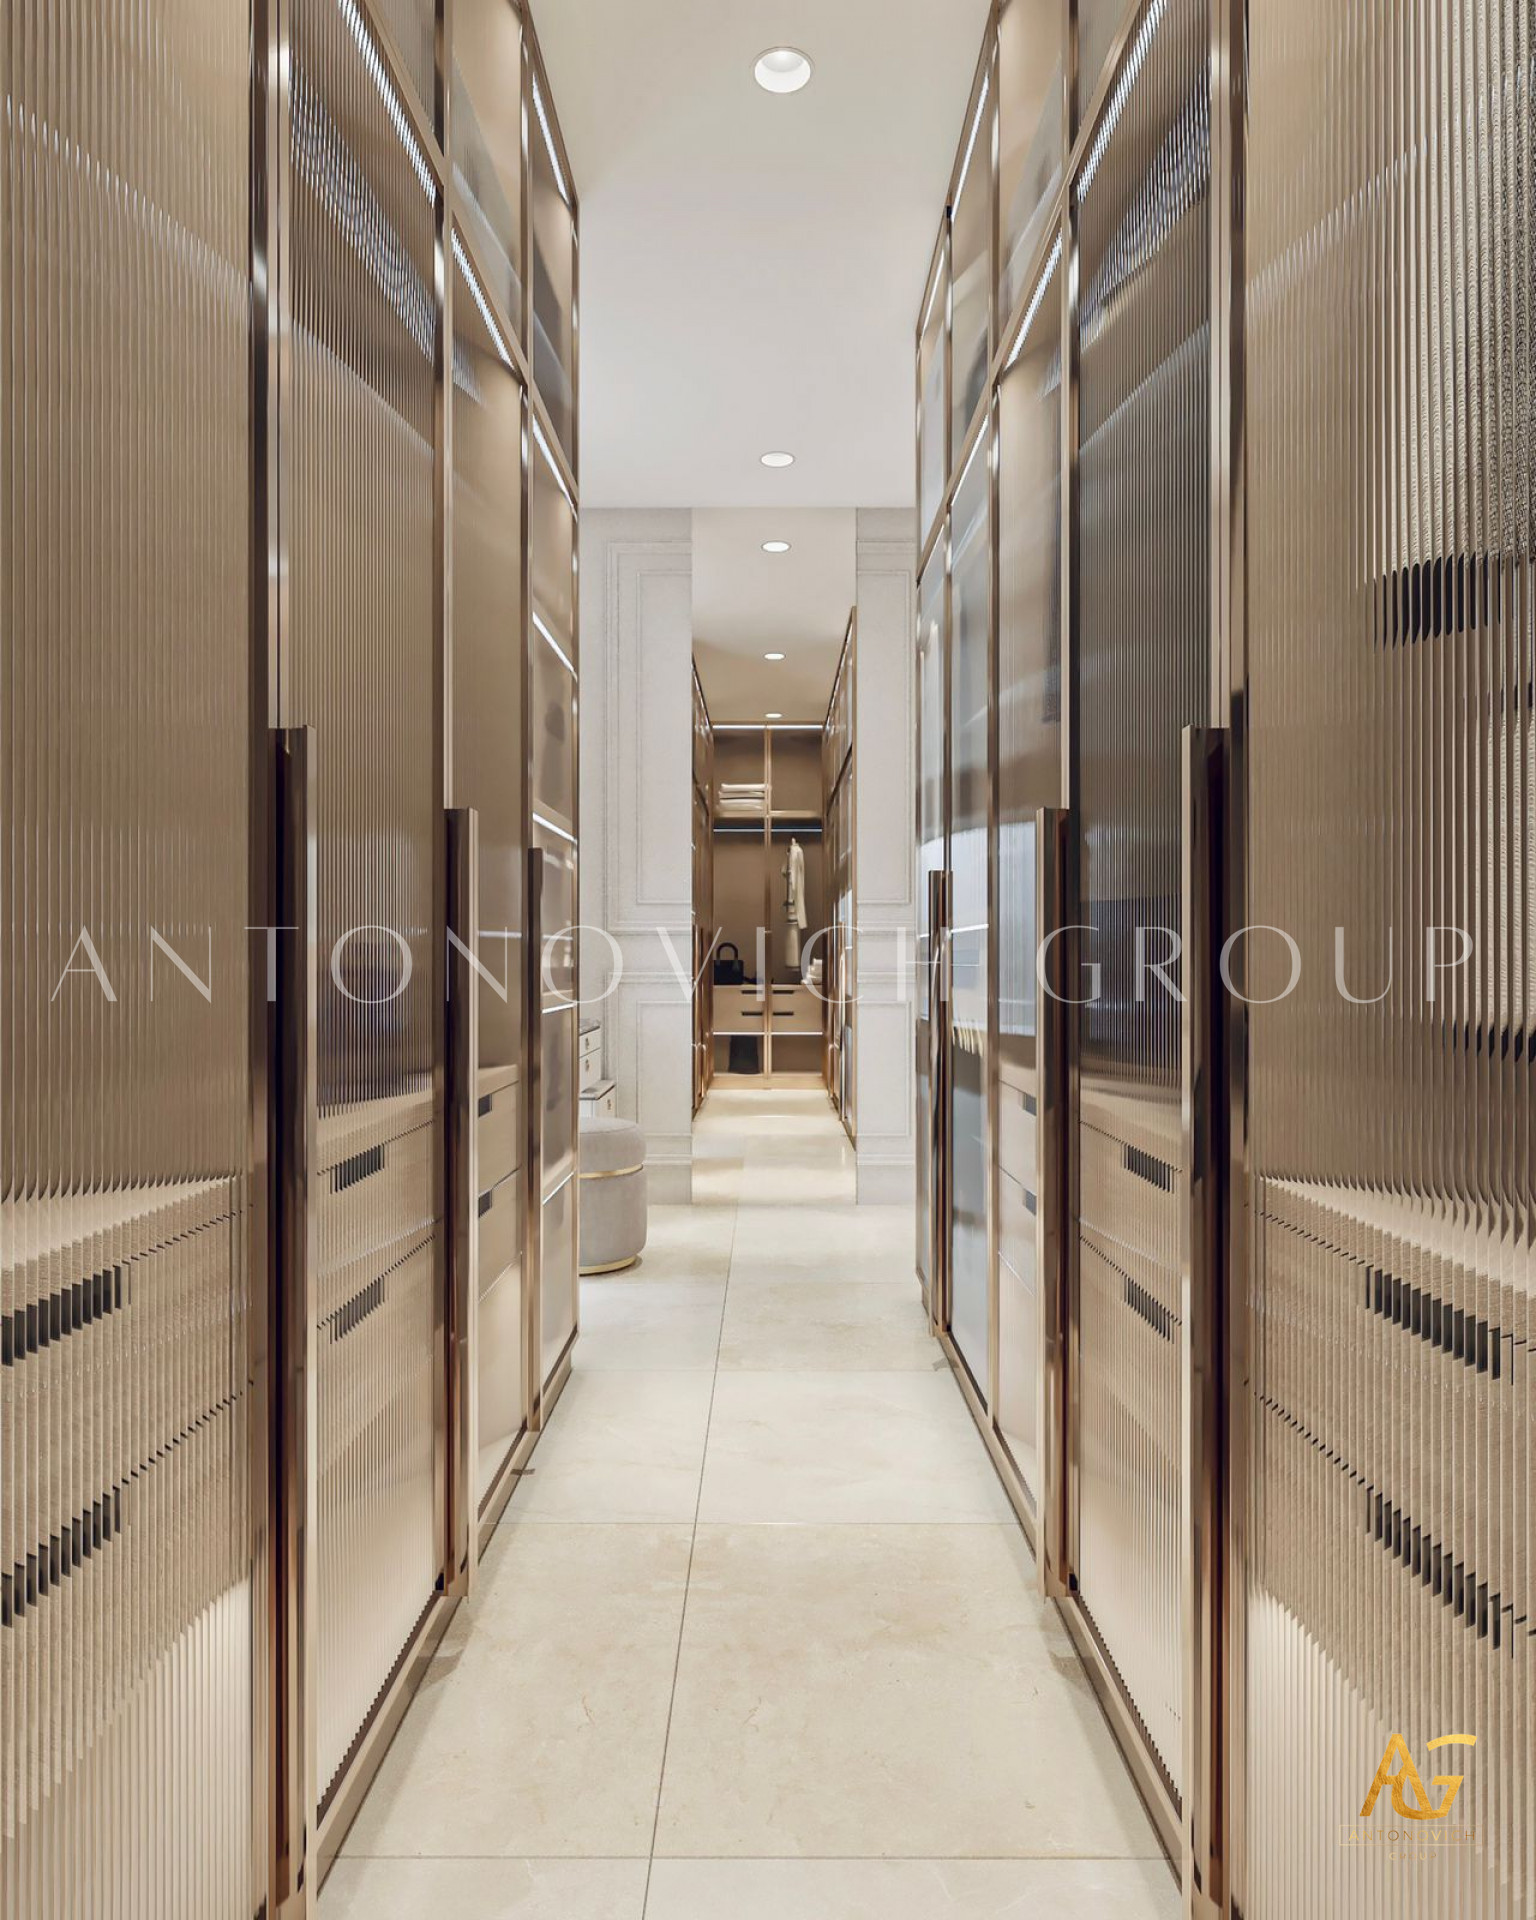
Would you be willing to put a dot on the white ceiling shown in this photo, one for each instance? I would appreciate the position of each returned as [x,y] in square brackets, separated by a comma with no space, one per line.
[751,264]
[747,603]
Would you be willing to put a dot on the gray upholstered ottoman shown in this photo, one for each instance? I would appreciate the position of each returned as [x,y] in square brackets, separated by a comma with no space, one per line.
[612,1194]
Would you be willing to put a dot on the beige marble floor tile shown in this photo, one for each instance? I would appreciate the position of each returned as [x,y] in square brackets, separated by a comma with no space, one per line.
[836,1230]
[887,1692]
[851,1447]
[539,1729]
[620,1446]
[673,1228]
[666,1325]
[767,1184]
[912,1890]
[485,1890]
[757,1264]
[684,1244]
[833,1243]
[827,1326]
[717,1183]
[676,1266]
[799,1146]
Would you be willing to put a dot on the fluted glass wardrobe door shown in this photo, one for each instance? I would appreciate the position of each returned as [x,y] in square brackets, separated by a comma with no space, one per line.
[487,690]
[552,805]
[931,856]
[970,983]
[1143,671]
[360,667]
[553,269]
[1029,777]
[971,267]
[1029,107]
[933,397]
[488,142]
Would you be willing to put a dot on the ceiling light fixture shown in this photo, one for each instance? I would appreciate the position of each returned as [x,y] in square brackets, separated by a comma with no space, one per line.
[778,459]
[782,70]
[773,656]
[775,546]
[775,716]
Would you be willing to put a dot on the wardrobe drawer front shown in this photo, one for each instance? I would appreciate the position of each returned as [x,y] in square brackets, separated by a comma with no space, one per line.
[500,1218]
[499,1136]
[796,1010]
[1016,1134]
[738,1010]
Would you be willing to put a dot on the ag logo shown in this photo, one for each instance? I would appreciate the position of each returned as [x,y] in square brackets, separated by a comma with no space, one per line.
[1397,1771]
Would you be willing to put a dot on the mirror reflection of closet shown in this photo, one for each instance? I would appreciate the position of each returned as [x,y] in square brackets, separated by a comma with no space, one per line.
[797,903]
[769,888]
[740,802]
[772,589]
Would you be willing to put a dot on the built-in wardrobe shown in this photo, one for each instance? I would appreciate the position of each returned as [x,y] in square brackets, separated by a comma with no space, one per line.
[775,992]
[769,894]
[839,843]
[287,1237]
[704,942]
[1224,660]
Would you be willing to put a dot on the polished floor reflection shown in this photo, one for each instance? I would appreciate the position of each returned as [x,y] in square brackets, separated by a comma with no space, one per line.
[758,1635]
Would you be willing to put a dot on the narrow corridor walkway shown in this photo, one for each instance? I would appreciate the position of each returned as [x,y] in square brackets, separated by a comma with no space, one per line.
[758,1637]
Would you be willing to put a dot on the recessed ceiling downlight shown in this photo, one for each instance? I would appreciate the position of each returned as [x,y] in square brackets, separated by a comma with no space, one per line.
[775,546]
[773,656]
[782,70]
[778,459]
[775,716]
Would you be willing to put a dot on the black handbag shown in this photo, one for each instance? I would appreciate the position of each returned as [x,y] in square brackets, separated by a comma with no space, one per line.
[729,971]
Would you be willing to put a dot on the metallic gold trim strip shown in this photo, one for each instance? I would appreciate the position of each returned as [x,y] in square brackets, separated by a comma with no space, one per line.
[296,1625]
[1201,1309]
[461,1146]
[1053,1219]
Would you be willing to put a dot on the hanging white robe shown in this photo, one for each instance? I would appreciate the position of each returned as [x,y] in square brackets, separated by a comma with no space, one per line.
[794,901]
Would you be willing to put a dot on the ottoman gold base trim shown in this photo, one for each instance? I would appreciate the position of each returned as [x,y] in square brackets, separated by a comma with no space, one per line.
[613,1266]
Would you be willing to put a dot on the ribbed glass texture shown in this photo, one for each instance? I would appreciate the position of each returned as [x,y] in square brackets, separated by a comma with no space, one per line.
[1098,22]
[487,654]
[970,249]
[970,692]
[488,141]
[933,402]
[412,26]
[1030,771]
[553,270]
[1142,677]
[553,662]
[931,627]
[487,692]
[360,667]
[1029,144]
[129,1731]
[1392,660]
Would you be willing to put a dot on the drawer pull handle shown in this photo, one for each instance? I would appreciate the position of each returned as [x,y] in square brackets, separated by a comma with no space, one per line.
[347,1173]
